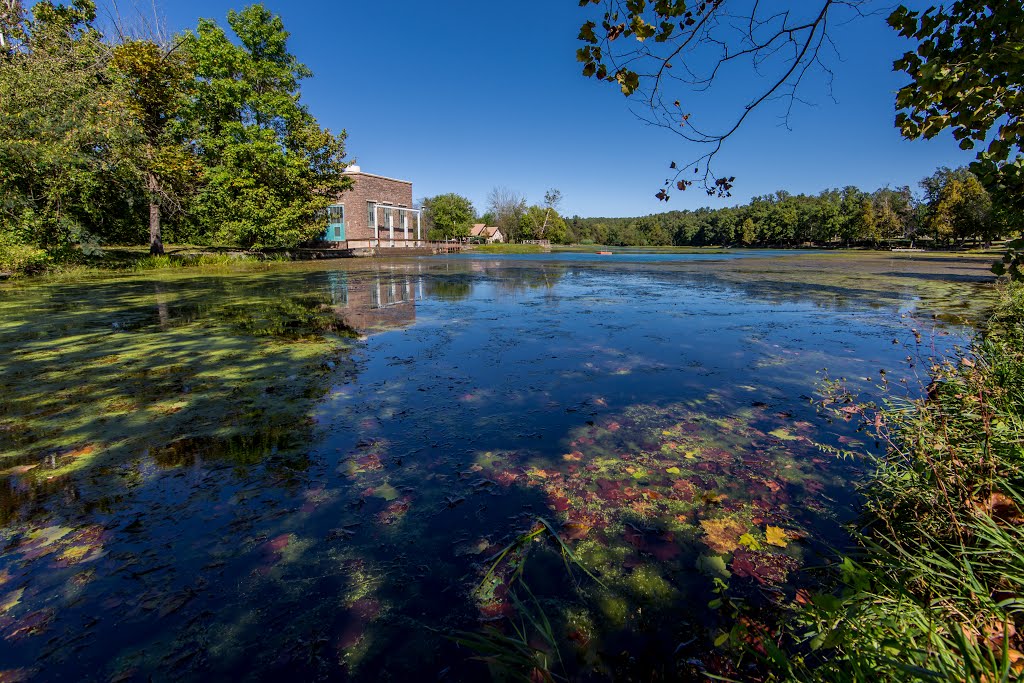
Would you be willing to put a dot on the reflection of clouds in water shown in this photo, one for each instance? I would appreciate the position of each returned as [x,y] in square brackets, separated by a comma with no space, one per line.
[356,525]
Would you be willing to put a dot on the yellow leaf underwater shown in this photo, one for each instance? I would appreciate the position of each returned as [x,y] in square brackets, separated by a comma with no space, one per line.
[723,535]
[784,435]
[749,542]
[776,536]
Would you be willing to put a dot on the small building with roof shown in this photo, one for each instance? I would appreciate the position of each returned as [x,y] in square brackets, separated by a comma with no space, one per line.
[375,212]
[486,233]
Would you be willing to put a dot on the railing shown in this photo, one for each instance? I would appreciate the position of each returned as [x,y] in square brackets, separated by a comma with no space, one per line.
[386,243]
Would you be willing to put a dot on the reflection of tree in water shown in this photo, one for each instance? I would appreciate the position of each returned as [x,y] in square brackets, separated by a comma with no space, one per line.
[537,277]
[448,287]
[100,376]
[255,554]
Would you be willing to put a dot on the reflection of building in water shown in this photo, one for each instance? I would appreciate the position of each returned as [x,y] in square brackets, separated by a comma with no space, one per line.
[377,302]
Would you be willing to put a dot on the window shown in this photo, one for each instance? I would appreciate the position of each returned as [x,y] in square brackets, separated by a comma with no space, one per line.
[371,214]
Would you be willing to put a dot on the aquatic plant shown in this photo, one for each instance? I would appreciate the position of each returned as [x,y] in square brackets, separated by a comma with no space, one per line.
[936,591]
[516,655]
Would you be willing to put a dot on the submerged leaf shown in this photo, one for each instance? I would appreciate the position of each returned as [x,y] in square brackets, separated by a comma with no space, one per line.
[713,566]
[749,542]
[723,535]
[776,536]
[783,435]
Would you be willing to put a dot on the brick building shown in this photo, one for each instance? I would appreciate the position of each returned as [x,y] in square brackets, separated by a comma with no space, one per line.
[376,212]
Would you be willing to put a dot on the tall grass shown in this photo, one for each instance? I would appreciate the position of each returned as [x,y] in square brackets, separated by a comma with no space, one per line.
[191,260]
[937,589]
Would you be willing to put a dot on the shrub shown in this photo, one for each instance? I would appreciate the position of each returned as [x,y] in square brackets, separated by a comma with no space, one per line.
[936,591]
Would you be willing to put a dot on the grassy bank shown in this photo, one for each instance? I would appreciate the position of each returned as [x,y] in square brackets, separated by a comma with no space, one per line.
[937,589]
[133,259]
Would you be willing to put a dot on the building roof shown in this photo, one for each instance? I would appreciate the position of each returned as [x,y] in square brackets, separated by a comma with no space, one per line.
[483,230]
[355,170]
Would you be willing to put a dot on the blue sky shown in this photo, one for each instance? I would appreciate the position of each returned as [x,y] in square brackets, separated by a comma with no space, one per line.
[461,96]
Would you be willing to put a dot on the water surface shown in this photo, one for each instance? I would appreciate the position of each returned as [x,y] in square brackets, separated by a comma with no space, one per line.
[314,470]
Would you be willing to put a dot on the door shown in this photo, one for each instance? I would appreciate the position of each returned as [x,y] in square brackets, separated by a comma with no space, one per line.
[336,223]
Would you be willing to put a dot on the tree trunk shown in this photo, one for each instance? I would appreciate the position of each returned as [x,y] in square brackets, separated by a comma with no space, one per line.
[544,228]
[156,245]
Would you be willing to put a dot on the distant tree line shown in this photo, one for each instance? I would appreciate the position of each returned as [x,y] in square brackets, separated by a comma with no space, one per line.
[450,216]
[953,209]
[135,137]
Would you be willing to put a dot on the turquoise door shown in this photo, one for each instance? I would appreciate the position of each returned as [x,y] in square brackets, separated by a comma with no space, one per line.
[335,223]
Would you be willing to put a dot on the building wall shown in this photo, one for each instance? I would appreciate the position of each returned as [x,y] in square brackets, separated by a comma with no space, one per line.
[371,188]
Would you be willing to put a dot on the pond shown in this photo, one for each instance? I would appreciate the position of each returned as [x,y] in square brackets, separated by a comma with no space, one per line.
[371,469]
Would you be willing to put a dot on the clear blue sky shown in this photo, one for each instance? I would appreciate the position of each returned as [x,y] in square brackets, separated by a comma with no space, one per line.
[461,96]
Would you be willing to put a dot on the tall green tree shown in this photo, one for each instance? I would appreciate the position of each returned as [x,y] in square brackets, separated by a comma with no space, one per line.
[155,83]
[449,216]
[958,207]
[867,222]
[747,232]
[543,223]
[270,169]
[60,118]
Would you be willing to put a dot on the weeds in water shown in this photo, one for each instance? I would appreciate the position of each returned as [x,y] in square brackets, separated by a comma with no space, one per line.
[509,249]
[937,591]
[568,556]
[516,656]
[530,651]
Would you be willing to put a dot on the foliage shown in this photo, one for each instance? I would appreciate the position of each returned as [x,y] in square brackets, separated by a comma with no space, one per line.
[955,209]
[543,223]
[449,216]
[1012,263]
[534,222]
[966,75]
[22,258]
[958,207]
[937,592]
[59,122]
[270,168]
[208,132]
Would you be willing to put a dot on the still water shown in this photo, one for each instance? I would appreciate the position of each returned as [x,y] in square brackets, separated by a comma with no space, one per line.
[385,469]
